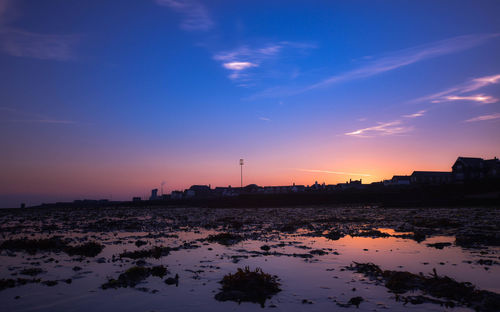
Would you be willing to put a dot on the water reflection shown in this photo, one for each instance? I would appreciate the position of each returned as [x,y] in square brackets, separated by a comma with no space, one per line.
[306,275]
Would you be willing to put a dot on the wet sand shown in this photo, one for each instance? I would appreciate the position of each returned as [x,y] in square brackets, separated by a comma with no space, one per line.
[309,249]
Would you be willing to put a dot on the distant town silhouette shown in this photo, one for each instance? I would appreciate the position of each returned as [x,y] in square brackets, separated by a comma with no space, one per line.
[470,177]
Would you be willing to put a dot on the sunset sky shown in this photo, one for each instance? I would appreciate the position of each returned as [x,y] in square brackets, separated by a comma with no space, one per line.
[108,99]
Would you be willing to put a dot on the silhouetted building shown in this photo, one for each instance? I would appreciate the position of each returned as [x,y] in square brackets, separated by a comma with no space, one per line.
[176,195]
[251,188]
[297,188]
[154,194]
[492,168]
[471,168]
[400,180]
[198,190]
[136,199]
[316,186]
[358,184]
[468,168]
[431,177]
[226,191]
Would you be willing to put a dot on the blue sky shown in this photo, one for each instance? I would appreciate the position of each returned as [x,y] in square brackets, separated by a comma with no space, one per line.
[109,98]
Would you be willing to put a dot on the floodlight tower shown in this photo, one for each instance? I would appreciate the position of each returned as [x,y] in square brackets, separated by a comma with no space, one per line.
[241,167]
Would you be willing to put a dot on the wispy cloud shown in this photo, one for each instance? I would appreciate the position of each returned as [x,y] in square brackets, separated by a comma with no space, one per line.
[381,129]
[409,56]
[391,61]
[20,43]
[239,65]
[484,117]
[336,172]
[259,54]
[195,15]
[41,46]
[244,57]
[415,115]
[459,92]
[46,121]
[265,119]
[19,116]
[479,98]
[3,9]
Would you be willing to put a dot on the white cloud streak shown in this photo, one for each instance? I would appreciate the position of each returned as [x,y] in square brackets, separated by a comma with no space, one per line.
[239,65]
[409,56]
[457,93]
[381,129]
[265,119]
[195,15]
[479,98]
[336,172]
[390,62]
[244,57]
[415,115]
[484,117]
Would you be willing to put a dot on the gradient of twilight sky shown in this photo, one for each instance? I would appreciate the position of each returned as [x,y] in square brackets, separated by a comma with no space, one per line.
[107,99]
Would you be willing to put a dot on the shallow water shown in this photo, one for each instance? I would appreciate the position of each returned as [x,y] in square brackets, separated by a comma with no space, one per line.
[321,279]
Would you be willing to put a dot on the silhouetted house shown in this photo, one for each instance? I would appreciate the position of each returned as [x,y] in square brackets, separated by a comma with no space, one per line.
[357,184]
[276,189]
[136,199]
[297,188]
[431,177]
[226,191]
[471,168]
[176,195]
[492,167]
[468,168]
[251,188]
[316,186]
[400,180]
[198,191]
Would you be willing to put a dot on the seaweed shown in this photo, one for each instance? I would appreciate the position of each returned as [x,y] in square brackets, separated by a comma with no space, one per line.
[155,252]
[439,245]
[11,283]
[246,285]
[53,244]
[318,252]
[459,293]
[334,235]
[173,280]
[226,239]
[159,271]
[371,233]
[134,276]
[265,247]
[31,271]
[90,249]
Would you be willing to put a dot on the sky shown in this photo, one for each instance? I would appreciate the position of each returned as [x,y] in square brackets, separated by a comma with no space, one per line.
[110,99]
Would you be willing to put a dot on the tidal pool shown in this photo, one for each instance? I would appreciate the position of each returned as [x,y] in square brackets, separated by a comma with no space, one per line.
[311,267]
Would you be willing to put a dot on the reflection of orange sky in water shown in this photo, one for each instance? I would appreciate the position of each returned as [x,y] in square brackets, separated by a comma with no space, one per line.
[390,253]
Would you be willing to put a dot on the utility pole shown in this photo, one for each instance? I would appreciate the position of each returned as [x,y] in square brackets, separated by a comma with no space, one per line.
[241,167]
